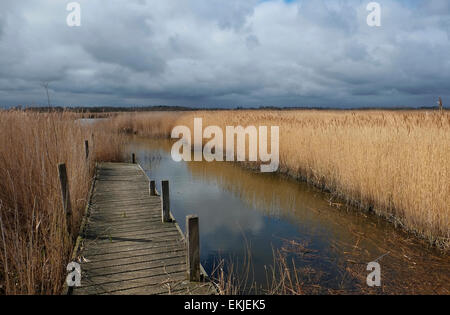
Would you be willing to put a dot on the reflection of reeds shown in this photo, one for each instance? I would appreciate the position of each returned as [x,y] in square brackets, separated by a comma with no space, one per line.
[405,269]
[234,276]
[282,277]
[353,238]
[34,248]
[394,163]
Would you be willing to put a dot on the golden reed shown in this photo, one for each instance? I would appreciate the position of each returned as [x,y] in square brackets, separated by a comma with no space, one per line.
[396,163]
[34,245]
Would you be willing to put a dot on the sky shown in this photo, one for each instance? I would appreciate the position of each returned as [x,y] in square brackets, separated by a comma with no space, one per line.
[225,53]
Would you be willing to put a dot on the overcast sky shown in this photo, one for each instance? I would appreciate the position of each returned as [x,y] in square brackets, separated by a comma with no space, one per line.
[225,53]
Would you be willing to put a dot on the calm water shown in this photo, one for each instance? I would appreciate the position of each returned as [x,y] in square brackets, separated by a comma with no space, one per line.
[243,211]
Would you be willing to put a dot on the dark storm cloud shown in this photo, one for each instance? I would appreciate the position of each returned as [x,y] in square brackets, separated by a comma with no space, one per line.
[230,53]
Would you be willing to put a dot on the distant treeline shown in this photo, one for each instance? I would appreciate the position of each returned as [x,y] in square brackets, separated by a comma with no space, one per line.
[114,109]
[102,109]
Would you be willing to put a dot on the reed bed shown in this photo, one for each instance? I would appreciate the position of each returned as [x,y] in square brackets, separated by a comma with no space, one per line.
[394,163]
[154,124]
[34,244]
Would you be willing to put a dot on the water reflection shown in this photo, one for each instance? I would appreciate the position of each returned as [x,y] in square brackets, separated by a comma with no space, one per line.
[267,212]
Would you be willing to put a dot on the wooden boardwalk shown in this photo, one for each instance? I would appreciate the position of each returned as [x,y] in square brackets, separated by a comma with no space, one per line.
[125,247]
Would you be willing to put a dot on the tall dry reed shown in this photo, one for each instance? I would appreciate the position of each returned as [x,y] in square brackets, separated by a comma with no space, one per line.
[34,245]
[394,163]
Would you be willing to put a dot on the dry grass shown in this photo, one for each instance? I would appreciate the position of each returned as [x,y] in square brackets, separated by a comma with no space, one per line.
[394,163]
[154,124]
[34,245]
[233,276]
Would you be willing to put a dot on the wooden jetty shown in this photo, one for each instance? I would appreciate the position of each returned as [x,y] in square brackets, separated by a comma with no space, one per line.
[130,243]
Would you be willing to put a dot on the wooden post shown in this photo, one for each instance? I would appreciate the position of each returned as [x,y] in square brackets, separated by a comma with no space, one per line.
[152,188]
[441,105]
[193,248]
[133,158]
[65,193]
[86,149]
[165,201]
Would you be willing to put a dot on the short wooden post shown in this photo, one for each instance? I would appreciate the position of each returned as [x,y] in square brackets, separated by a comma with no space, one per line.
[133,158]
[165,201]
[65,193]
[152,188]
[86,148]
[193,248]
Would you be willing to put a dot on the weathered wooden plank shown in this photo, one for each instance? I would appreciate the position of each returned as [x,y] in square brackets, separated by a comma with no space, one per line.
[169,286]
[160,234]
[135,252]
[135,274]
[152,267]
[65,194]
[140,232]
[149,257]
[98,251]
[127,248]
[165,201]
[136,279]
[122,224]
[127,225]
[137,228]
[123,216]
[184,288]
[193,248]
